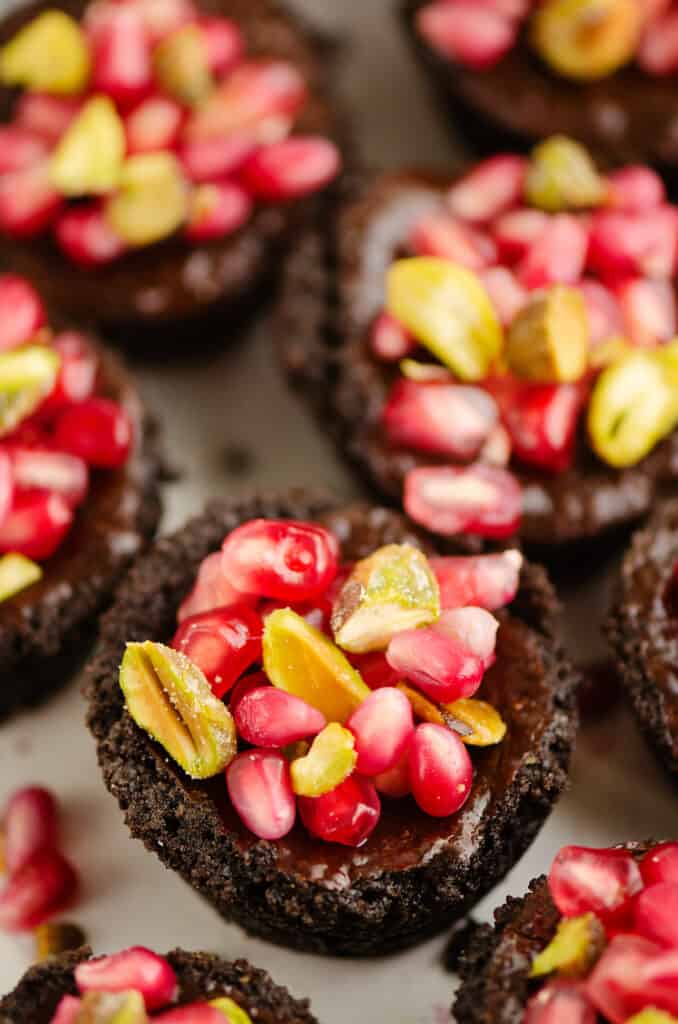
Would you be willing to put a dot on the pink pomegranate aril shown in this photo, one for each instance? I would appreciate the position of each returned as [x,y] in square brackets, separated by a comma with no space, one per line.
[19,148]
[45,115]
[224,42]
[85,235]
[212,590]
[441,772]
[29,826]
[193,1013]
[161,17]
[207,160]
[67,1011]
[437,663]
[603,882]
[382,727]
[121,55]
[28,202]
[560,1002]
[153,125]
[496,450]
[77,373]
[604,315]
[658,50]
[506,293]
[632,244]
[491,188]
[260,789]
[474,629]
[98,431]
[291,169]
[447,419]
[467,32]
[557,256]
[648,309]
[660,864]
[542,423]
[253,681]
[635,189]
[488,581]
[389,340]
[217,211]
[22,313]
[6,484]
[632,974]
[52,471]
[223,642]
[516,231]
[280,558]
[268,717]
[445,237]
[36,524]
[347,815]
[136,969]
[655,913]
[374,669]
[395,783]
[42,887]
[480,499]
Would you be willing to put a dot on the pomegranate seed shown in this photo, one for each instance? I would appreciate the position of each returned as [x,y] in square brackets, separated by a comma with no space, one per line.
[441,773]
[480,499]
[6,485]
[516,232]
[266,717]
[447,238]
[474,629]
[261,792]
[28,202]
[396,782]
[207,160]
[635,189]
[153,125]
[658,50]
[560,1002]
[438,664]
[655,913]
[389,340]
[543,425]
[347,815]
[211,590]
[30,826]
[491,188]
[254,681]
[162,17]
[135,969]
[660,864]
[46,116]
[22,313]
[374,669]
[36,524]
[42,887]
[67,1011]
[225,44]
[97,430]
[194,1013]
[516,9]
[631,244]
[506,293]
[474,35]
[217,211]
[121,57]
[601,881]
[292,168]
[488,581]
[632,974]
[19,148]
[77,373]
[447,419]
[604,314]
[653,8]
[649,310]
[222,642]
[497,449]
[85,235]
[280,558]
[558,255]
[47,470]
[382,727]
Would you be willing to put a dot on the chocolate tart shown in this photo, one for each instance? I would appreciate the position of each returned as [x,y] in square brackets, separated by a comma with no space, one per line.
[333,289]
[415,874]
[643,633]
[168,289]
[45,630]
[628,117]
[200,975]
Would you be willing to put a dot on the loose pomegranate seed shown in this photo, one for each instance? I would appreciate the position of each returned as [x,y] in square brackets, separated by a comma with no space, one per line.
[660,864]
[632,244]
[396,782]
[36,524]
[441,773]
[474,35]
[136,969]
[67,1011]
[97,430]
[22,313]
[601,881]
[438,664]
[207,160]
[77,373]
[658,50]
[484,500]
[223,642]
[347,815]
[42,887]
[374,669]
[560,1002]
[254,681]
[604,314]
[267,717]
[558,255]
[261,792]
[19,148]
[655,913]
[225,44]
[194,1013]
[506,292]
[28,201]
[30,826]
[46,116]
[447,419]
[389,340]
[489,581]
[648,309]
[491,188]
[291,169]
[516,232]
[211,590]
[121,57]
[632,974]
[474,629]
[47,470]
[382,727]
[635,189]
[153,125]
[85,235]
[217,211]
[444,236]
[280,558]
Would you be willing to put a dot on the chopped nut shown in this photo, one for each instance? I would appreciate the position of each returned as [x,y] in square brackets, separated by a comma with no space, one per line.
[549,339]
[181,65]
[413,370]
[652,1016]
[482,725]
[50,54]
[330,760]
[152,201]
[587,39]
[112,1008]
[575,948]
[89,157]
[234,1013]
[16,574]
[562,176]
[56,937]
[27,375]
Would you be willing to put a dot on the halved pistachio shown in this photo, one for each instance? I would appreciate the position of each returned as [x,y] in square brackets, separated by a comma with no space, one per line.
[169,697]
[89,157]
[423,372]
[562,176]
[27,375]
[181,64]
[234,1014]
[16,574]
[152,199]
[485,725]
[587,39]
[391,590]
[574,949]
[448,310]
[300,659]
[652,1016]
[54,937]
[330,760]
[549,338]
[112,1008]
[49,54]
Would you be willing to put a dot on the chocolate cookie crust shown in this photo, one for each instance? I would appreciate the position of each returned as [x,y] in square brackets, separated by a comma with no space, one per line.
[200,976]
[414,876]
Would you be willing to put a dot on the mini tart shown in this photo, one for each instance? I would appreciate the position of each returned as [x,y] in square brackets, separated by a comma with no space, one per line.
[415,874]
[45,628]
[334,288]
[172,284]
[199,975]
[642,632]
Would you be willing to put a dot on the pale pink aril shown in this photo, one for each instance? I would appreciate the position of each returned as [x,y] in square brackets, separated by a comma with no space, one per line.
[29,825]
[448,238]
[162,17]
[395,783]
[602,309]
[560,1002]
[19,148]
[558,254]
[346,815]
[260,789]
[505,291]
[67,1011]
[658,50]
[389,340]
[86,236]
[516,231]
[382,727]
[602,882]
[22,313]
[497,448]
[268,717]
[193,1013]
[211,590]
[634,244]
[7,488]
[77,375]
[655,913]
[36,524]
[28,201]
[45,115]
[474,629]
[635,188]
[479,499]
[516,9]
[222,642]
[446,419]
[438,664]
[136,969]
[153,125]
[631,975]
[121,56]
[209,159]
[291,169]
[660,864]
[40,888]
[97,430]
[224,42]
[48,470]
[217,211]
[492,187]
[488,581]
[441,771]
[648,309]
[474,35]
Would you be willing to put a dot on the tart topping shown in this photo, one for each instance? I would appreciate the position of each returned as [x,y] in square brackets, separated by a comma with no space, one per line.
[16,574]
[23,60]
[181,63]
[88,159]
[587,39]
[136,969]
[574,950]
[327,764]
[27,375]
[152,200]
[549,338]
[562,176]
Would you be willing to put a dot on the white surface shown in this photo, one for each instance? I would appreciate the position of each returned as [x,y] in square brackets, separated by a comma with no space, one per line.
[617,793]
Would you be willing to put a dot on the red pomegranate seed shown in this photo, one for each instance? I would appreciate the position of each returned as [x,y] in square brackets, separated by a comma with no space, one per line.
[648,309]
[47,470]
[389,340]
[30,826]
[6,485]
[254,681]
[77,374]
[42,887]
[509,8]
[224,41]
[632,974]
[497,448]
[516,232]
[382,727]
[374,669]
[543,426]
[280,558]
[211,590]
[19,148]
[161,17]
[85,235]
[601,881]
[267,717]
[217,211]
[438,664]
[604,314]
[444,236]
[560,1002]
[396,782]
[36,524]
[447,419]
[347,815]
[260,789]
[658,50]
[558,255]
[491,188]
[193,1013]
[488,581]
[46,116]
[653,8]
[660,864]
[22,313]
[28,201]
[634,244]
[474,629]
[67,1011]
[506,293]
[291,169]
[441,772]
[655,913]
[153,125]
[121,57]
[223,642]
[207,160]
[473,35]
[481,499]
[97,430]
[135,969]
[635,188]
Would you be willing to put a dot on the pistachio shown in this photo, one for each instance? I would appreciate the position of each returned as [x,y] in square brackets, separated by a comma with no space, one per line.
[112,1008]
[152,201]
[448,310]
[482,724]
[391,590]
[16,573]
[608,352]
[587,39]
[422,707]
[422,372]
[169,697]
[54,937]
[652,1016]
[88,159]
[234,1014]
[181,64]
[330,760]
[549,338]
[27,375]
[50,54]
[562,176]
[575,948]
